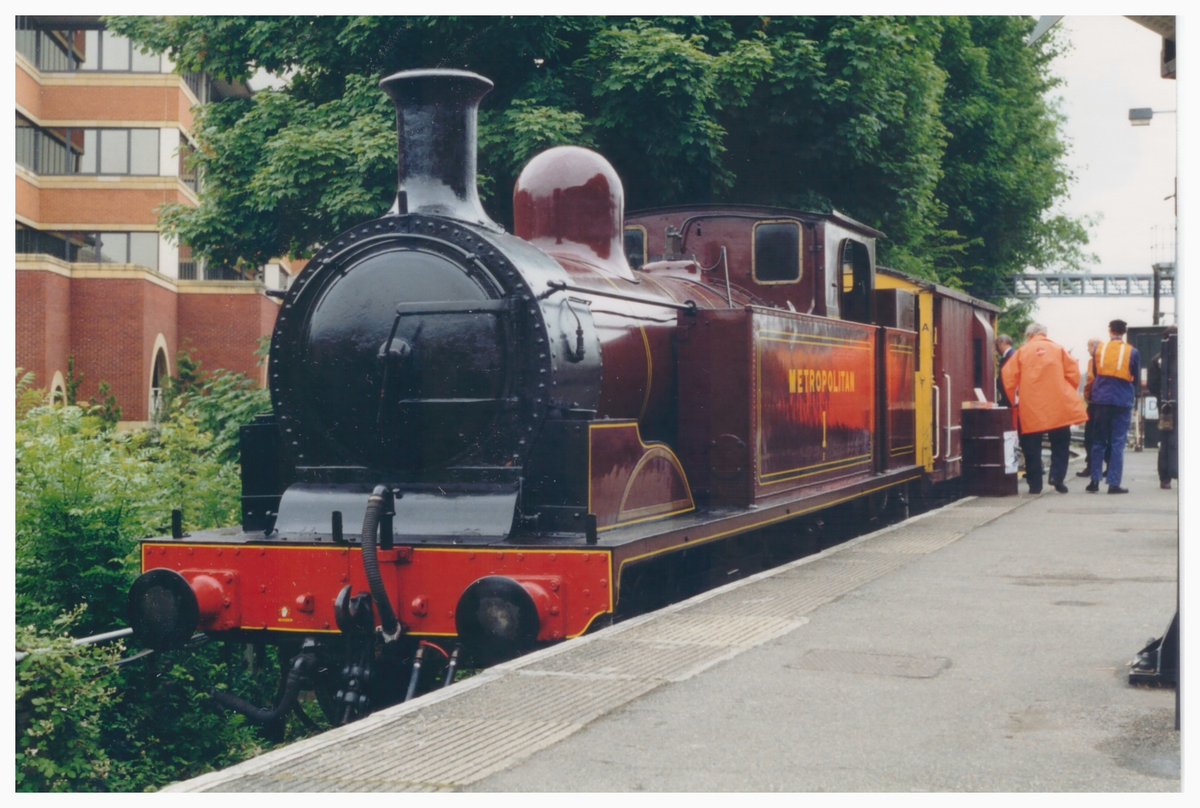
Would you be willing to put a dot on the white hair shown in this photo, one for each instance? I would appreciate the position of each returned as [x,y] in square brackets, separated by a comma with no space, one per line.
[1033,329]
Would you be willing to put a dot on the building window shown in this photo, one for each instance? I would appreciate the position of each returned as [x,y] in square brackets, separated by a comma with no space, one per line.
[27,135]
[76,247]
[188,174]
[192,268]
[66,50]
[201,86]
[52,152]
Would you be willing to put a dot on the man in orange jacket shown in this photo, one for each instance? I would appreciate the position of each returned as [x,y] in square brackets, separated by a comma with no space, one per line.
[1042,380]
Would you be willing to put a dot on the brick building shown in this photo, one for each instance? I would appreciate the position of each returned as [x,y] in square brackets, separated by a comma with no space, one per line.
[102,135]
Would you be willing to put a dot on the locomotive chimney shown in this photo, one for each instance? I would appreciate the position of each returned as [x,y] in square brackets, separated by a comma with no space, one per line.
[436,116]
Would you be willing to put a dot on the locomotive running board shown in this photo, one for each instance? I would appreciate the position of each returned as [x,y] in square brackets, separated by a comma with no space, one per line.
[640,543]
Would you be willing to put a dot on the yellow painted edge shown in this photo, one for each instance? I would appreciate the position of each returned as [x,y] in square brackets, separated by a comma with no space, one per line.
[924,381]
[670,456]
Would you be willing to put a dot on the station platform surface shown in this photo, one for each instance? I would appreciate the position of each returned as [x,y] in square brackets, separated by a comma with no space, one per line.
[982,647]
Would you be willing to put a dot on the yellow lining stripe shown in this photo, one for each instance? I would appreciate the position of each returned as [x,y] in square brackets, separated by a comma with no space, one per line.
[812,339]
[833,465]
[671,456]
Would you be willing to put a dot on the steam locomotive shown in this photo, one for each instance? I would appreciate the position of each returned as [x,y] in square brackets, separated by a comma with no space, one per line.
[479,439]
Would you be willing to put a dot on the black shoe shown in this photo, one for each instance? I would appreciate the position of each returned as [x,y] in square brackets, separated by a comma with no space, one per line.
[1060,488]
[1093,487]
[1035,491]
[1084,473]
[1165,485]
[1116,489]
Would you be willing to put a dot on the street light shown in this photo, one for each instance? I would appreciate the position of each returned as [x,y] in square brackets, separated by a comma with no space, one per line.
[1141,116]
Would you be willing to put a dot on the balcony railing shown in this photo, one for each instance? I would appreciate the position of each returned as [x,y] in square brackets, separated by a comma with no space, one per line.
[197,271]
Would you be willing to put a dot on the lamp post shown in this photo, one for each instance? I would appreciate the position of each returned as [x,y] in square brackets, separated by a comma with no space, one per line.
[1141,116]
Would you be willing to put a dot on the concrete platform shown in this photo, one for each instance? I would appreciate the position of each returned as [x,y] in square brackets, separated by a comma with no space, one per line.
[978,648]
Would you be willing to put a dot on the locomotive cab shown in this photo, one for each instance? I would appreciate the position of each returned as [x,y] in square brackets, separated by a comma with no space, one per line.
[819,264]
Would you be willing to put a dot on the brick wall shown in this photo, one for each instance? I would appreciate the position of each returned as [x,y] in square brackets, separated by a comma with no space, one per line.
[223,330]
[149,99]
[111,325]
[43,327]
[28,199]
[120,207]
[110,319]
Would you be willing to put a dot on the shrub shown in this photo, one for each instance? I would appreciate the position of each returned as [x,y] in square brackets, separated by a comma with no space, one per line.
[64,694]
[85,493]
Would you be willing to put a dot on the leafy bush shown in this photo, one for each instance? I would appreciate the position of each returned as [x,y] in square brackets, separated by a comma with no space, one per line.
[220,402]
[63,696]
[85,493]
[83,496]
[165,727]
[85,724]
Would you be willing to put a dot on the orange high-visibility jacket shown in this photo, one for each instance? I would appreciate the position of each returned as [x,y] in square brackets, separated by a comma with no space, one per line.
[1112,359]
[1043,380]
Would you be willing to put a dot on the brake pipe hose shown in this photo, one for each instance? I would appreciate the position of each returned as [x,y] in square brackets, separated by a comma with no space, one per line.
[370,556]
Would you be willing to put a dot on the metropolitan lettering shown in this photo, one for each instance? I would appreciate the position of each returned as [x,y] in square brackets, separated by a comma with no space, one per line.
[814,380]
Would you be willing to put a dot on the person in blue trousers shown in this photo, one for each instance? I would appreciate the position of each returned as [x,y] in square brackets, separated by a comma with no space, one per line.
[1117,367]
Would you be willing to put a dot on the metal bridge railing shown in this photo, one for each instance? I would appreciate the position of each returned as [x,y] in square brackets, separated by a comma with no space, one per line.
[1079,284]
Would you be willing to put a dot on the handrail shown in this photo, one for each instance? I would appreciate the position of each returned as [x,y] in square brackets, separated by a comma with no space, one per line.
[949,399]
[937,422]
[558,286]
[949,418]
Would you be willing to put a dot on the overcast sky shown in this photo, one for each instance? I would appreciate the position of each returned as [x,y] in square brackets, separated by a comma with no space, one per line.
[1123,173]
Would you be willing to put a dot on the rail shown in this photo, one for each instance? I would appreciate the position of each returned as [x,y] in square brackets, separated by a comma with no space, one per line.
[950,427]
[107,636]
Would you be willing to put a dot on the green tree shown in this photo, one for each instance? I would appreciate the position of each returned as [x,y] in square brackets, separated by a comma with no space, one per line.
[937,130]
[1004,162]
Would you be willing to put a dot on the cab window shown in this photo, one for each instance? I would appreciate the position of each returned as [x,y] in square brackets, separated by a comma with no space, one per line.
[777,252]
[635,246]
[856,285]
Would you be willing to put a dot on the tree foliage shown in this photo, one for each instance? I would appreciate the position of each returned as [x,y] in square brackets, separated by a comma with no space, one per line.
[937,130]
